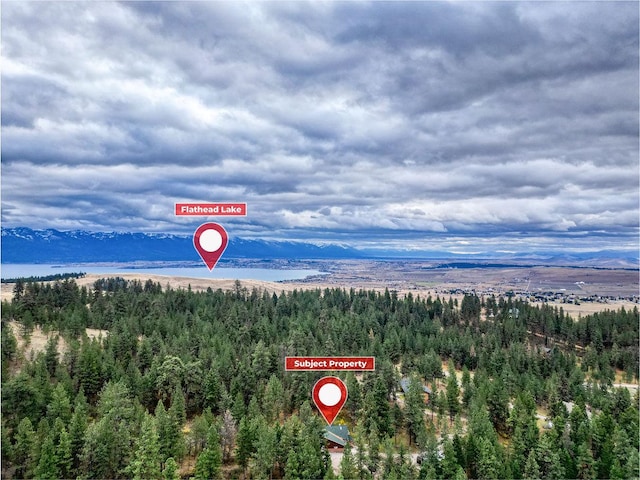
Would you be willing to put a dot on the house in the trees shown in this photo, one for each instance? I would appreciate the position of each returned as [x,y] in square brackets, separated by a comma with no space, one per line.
[404,385]
[336,436]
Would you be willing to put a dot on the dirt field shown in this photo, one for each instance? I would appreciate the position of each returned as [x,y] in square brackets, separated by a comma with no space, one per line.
[38,339]
[583,309]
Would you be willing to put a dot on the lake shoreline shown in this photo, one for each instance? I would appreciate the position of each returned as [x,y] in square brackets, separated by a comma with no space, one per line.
[194,270]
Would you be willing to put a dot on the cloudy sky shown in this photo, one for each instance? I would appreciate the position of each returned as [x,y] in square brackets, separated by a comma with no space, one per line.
[467,126]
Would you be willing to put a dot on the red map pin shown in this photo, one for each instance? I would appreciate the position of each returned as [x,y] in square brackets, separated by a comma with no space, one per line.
[329,395]
[210,240]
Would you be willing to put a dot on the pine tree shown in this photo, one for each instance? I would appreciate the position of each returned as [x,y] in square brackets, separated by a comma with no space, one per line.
[468,389]
[171,471]
[361,453]
[51,355]
[213,387]
[43,430]
[145,463]
[292,469]
[414,411]
[21,397]
[453,392]
[266,450]
[488,465]
[376,409]
[498,404]
[348,469]
[5,444]
[77,429]
[64,454]
[47,468]
[60,405]
[178,408]
[273,403]
[108,442]
[8,346]
[245,442]
[25,438]
[603,426]
[98,459]
[450,461]
[531,468]
[427,471]
[90,368]
[169,433]
[522,423]
[625,461]
[354,400]
[584,462]
[197,440]
[548,459]
[208,465]
[145,355]
[618,472]
[404,468]
[373,453]
[460,475]
[387,469]
[238,409]
[458,447]
[209,462]
[312,462]
[472,455]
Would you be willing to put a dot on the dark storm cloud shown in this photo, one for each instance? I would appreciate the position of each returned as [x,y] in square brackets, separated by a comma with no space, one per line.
[447,55]
[347,120]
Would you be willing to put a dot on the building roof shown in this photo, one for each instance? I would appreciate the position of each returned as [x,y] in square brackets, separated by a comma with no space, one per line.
[404,384]
[337,434]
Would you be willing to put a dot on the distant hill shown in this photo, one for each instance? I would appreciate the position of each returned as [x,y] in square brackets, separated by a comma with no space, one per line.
[24,245]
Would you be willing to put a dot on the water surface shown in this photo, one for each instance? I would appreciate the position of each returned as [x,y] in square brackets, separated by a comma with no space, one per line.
[15,270]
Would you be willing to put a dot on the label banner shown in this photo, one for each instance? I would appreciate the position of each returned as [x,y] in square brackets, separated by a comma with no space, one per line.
[211,209]
[329,363]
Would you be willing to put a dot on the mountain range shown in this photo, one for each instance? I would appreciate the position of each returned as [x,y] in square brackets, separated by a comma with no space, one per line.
[25,245]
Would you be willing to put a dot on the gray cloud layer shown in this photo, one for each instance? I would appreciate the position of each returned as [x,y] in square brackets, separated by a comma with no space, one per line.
[348,120]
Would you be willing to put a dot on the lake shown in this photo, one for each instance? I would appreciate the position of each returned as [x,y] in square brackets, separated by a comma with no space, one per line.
[15,270]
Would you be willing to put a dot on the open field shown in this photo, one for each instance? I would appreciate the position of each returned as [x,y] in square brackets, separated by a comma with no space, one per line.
[615,287]
[588,308]
[420,276]
[36,341]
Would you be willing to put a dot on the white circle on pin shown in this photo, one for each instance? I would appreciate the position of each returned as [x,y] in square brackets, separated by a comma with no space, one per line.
[329,394]
[210,240]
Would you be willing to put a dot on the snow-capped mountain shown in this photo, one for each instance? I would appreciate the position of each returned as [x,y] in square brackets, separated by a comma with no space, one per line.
[24,245]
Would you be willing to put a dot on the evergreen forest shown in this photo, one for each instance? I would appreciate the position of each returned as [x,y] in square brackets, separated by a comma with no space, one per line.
[191,384]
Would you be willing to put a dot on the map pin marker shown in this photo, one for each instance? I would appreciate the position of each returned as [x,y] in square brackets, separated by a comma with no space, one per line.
[210,241]
[329,395]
